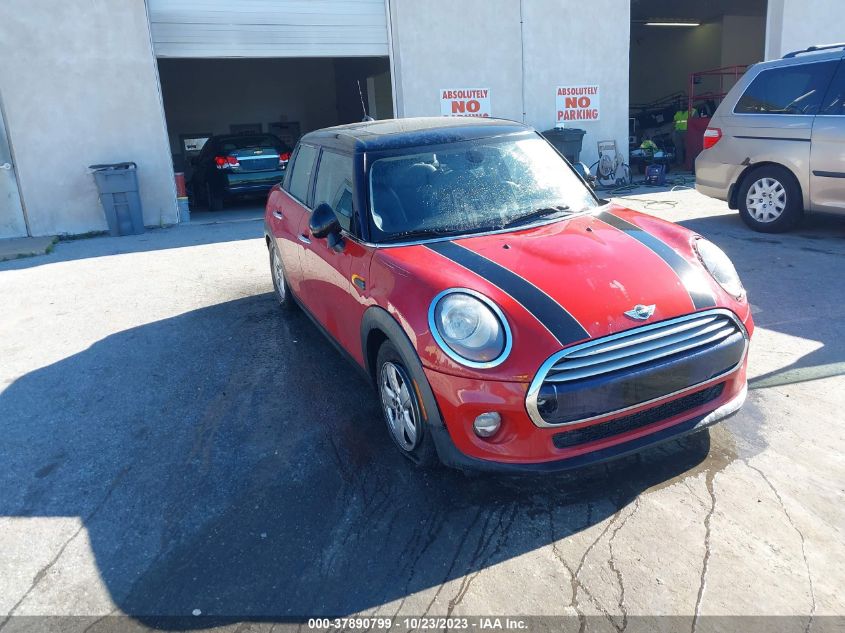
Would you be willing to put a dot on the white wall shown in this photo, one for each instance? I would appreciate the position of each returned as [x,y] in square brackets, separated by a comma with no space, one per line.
[207,95]
[568,42]
[441,44]
[796,24]
[80,87]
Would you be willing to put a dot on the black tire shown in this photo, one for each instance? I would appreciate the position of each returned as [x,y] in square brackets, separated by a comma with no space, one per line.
[790,199]
[280,284]
[420,448]
[214,199]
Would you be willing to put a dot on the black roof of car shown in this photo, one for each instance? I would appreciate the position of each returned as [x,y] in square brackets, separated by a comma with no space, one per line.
[412,132]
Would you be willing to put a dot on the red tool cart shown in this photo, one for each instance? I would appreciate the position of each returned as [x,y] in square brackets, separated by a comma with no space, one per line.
[705,81]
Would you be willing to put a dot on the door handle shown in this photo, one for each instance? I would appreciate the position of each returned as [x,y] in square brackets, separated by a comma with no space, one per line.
[278,215]
[6,166]
[304,239]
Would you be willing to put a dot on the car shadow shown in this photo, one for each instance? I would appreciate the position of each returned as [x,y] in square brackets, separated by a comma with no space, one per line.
[794,286]
[210,228]
[229,460]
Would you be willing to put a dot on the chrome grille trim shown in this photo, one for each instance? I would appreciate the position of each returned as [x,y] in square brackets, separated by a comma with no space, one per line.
[631,348]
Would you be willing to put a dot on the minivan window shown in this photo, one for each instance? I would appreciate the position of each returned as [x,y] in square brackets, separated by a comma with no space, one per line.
[834,101]
[788,90]
[334,186]
[300,177]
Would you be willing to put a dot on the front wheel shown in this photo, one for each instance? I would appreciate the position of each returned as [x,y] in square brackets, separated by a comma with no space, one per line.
[401,408]
[770,200]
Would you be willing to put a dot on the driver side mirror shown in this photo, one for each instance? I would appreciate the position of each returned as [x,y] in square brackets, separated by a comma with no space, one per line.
[324,222]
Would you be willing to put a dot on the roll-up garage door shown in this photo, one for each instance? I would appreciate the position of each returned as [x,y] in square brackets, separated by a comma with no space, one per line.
[268,28]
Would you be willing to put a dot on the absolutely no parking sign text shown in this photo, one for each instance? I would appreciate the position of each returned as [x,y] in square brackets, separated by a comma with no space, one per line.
[577,103]
[465,102]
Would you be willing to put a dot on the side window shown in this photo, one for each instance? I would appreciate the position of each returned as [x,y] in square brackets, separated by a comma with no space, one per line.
[834,101]
[300,178]
[334,185]
[788,90]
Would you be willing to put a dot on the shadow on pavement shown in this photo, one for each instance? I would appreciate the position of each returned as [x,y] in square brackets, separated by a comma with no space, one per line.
[179,236]
[229,460]
[794,284]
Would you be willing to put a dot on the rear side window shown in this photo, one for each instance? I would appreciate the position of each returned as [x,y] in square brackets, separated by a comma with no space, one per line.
[834,102]
[788,90]
[300,178]
[334,185]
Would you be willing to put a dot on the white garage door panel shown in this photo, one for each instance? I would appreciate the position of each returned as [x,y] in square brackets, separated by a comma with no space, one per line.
[268,28]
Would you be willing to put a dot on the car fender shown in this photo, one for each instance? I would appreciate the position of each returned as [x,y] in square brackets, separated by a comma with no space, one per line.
[379,323]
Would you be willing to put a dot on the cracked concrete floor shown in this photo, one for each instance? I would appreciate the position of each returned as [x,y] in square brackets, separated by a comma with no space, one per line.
[171,443]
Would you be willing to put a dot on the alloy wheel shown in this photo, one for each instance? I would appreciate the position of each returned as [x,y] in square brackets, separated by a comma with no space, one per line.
[399,405]
[766,200]
[278,276]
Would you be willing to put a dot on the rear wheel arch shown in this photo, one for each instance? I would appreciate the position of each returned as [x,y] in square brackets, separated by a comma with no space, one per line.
[733,199]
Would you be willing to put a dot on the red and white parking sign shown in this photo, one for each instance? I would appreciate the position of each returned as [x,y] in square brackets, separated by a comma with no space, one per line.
[577,103]
[465,102]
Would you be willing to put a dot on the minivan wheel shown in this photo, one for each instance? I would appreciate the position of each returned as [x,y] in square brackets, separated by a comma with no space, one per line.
[401,408]
[770,200]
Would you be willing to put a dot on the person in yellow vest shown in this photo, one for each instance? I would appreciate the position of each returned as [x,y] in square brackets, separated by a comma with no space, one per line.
[679,135]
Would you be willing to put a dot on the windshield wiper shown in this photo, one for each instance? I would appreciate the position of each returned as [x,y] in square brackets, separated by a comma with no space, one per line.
[536,213]
[423,233]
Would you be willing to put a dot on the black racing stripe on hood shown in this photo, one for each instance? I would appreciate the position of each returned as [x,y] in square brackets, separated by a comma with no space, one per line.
[684,270]
[562,325]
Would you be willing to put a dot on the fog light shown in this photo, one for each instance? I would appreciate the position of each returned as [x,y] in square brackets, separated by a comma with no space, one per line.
[487,424]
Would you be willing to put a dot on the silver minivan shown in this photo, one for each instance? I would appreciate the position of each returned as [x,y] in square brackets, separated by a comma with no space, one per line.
[776,145]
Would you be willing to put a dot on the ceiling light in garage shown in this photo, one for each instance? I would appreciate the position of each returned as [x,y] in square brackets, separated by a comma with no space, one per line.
[673,23]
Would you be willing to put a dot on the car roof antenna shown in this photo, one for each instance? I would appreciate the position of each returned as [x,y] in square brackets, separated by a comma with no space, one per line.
[367,117]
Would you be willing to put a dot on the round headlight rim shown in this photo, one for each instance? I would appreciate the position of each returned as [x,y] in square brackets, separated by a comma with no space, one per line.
[695,242]
[444,346]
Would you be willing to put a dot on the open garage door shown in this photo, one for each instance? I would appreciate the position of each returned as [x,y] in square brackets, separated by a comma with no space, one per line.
[251,99]
[680,50]
[268,28]
[277,68]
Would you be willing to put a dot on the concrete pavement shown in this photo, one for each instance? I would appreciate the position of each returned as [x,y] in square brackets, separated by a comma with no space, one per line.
[172,443]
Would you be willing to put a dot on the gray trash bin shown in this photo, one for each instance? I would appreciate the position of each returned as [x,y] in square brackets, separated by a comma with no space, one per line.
[567,140]
[118,186]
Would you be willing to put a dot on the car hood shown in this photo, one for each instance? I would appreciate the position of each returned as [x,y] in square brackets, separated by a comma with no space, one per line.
[579,277]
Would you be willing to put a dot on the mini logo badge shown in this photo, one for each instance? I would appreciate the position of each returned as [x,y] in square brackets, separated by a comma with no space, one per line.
[640,312]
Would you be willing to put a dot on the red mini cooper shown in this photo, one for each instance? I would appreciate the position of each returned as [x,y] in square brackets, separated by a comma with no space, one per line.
[508,318]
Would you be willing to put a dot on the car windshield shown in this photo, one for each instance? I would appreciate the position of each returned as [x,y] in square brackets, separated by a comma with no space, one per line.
[473,186]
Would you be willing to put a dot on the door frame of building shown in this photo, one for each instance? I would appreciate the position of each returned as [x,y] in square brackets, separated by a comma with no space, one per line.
[5,140]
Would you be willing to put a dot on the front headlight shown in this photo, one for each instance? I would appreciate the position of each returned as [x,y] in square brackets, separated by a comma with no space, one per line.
[469,328]
[720,266]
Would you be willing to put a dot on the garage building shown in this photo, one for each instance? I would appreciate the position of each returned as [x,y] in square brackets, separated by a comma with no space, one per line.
[95,81]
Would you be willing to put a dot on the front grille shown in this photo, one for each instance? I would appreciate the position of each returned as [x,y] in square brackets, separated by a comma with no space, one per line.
[641,345]
[637,420]
[634,367]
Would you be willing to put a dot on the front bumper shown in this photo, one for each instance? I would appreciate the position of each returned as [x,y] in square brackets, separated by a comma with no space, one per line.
[451,456]
[521,446]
